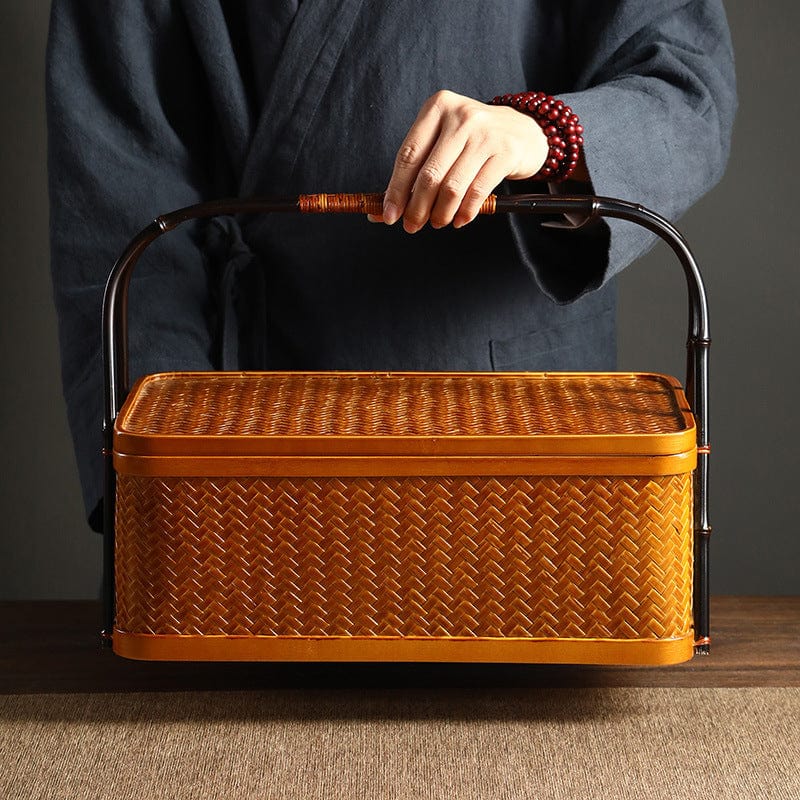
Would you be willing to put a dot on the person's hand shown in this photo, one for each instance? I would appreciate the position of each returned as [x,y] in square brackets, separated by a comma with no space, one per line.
[455,153]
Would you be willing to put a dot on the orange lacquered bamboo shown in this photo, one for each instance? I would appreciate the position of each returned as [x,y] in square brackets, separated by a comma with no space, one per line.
[641,652]
[405,516]
[196,414]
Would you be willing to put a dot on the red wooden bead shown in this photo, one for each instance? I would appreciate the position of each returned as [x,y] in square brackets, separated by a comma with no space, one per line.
[560,125]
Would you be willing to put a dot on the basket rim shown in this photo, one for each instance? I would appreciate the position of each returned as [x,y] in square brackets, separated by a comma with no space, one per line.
[680,440]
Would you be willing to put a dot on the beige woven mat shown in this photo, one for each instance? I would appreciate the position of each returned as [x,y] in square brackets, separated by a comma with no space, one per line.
[520,743]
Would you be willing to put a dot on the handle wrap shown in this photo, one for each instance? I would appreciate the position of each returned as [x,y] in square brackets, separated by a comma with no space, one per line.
[343,203]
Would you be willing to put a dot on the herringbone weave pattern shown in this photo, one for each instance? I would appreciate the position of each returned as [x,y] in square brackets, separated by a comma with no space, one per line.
[299,404]
[553,557]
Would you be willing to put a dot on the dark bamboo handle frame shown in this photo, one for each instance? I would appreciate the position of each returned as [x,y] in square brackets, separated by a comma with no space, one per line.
[115,342]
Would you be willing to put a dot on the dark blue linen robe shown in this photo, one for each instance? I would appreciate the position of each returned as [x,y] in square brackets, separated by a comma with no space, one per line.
[157,105]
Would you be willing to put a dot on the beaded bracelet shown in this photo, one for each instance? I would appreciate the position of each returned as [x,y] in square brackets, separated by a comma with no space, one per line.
[560,125]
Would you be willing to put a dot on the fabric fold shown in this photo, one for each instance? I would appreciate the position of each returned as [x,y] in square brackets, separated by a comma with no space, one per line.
[303,72]
[156,106]
[240,296]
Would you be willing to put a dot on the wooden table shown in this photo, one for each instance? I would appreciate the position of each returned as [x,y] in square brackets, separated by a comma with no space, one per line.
[51,647]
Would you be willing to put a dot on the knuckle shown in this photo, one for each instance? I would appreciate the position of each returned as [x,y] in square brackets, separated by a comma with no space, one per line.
[428,177]
[408,154]
[468,112]
[472,115]
[439,101]
[475,196]
[451,188]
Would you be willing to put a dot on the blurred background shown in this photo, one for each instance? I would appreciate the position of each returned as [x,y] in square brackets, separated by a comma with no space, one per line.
[744,234]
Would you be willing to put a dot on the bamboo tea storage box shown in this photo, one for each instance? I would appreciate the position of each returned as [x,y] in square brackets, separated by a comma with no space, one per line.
[331,516]
[532,517]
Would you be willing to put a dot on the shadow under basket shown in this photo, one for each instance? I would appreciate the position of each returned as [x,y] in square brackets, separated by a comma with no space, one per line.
[335,516]
[405,516]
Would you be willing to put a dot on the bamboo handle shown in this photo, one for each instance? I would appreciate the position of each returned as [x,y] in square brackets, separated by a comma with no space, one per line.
[115,333]
[343,203]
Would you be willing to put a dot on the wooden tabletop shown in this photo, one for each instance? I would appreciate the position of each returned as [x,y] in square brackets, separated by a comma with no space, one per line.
[52,647]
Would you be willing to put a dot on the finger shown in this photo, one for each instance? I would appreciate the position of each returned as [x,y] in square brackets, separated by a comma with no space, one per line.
[410,157]
[488,177]
[456,183]
[447,150]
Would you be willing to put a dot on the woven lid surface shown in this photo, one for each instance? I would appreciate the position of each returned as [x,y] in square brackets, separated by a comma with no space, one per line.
[348,407]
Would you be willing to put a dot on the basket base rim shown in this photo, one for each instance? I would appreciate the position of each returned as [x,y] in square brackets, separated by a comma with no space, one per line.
[198,647]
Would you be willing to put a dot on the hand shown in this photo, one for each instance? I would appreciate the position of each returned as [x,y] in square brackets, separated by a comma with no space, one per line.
[455,153]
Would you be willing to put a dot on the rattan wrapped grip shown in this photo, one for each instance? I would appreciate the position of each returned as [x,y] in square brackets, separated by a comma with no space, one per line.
[360,204]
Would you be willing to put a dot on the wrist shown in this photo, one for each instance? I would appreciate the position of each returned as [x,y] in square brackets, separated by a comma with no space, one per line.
[530,144]
[560,126]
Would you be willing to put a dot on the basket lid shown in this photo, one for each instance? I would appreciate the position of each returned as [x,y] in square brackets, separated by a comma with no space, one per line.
[199,415]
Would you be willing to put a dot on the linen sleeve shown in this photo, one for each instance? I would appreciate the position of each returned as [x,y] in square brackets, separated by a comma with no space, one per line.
[655,89]
[127,140]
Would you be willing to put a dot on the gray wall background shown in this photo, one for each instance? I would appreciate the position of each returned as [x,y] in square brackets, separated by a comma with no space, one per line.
[744,234]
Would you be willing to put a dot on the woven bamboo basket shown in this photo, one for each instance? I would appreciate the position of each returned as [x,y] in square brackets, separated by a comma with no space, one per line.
[529,517]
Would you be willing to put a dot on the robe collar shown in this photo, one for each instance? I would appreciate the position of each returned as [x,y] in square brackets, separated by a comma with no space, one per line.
[311,51]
